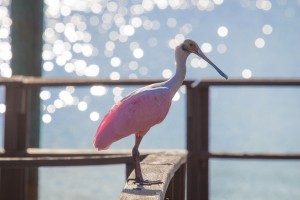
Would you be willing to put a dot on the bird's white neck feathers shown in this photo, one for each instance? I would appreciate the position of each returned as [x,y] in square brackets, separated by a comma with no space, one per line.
[176,81]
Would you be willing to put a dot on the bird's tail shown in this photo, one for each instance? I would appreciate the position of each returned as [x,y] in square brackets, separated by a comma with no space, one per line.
[100,144]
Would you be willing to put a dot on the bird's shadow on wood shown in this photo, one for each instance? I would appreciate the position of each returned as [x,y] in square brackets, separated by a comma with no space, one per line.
[145,182]
[141,190]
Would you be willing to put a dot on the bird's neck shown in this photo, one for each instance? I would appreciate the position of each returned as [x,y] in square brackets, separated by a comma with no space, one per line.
[176,81]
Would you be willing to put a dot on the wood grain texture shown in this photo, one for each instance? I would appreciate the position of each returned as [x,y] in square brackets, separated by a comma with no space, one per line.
[155,167]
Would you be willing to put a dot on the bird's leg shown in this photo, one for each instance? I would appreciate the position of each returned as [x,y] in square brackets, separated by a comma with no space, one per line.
[136,158]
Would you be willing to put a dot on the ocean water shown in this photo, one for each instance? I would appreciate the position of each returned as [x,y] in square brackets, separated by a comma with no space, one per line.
[136,40]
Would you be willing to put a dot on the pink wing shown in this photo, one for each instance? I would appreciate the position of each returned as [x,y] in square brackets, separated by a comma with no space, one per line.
[135,113]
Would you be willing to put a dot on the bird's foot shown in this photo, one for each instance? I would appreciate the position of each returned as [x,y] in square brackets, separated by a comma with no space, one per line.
[140,181]
[148,182]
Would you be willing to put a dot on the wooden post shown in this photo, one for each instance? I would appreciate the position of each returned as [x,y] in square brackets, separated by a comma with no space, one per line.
[176,189]
[197,142]
[26,34]
[129,169]
[14,180]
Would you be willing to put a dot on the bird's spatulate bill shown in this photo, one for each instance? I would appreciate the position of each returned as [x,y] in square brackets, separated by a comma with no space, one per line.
[201,54]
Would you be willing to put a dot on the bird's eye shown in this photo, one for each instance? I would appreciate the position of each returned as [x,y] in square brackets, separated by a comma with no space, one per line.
[191,44]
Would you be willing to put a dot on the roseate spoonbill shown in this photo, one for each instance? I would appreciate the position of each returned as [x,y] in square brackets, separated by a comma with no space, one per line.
[145,107]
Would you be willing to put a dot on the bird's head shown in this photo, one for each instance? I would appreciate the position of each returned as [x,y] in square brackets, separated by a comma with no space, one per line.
[191,46]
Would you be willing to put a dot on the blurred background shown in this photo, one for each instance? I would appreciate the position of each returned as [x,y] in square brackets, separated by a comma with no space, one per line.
[135,39]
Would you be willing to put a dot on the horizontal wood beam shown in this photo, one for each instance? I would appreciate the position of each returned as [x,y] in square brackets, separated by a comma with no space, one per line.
[40,82]
[236,155]
[77,152]
[67,157]
[245,156]
[250,82]
[63,152]
[27,161]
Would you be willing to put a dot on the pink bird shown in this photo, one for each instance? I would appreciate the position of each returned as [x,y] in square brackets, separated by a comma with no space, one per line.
[145,107]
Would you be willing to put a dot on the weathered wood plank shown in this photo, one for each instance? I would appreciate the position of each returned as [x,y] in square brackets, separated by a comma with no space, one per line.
[251,82]
[19,162]
[159,166]
[67,157]
[257,156]
[36,152]
[78,152]
[40,82]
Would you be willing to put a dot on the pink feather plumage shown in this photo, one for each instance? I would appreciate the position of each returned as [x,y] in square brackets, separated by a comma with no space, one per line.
[136,113]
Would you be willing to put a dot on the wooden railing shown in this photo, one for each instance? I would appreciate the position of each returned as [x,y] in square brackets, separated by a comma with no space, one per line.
[16,157]
[198,133]
[167,167]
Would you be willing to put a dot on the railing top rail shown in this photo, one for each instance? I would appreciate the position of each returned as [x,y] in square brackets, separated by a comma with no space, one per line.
[250,82]
[36,157]
[41,81]
[160,166]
